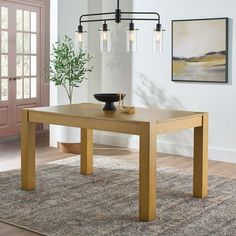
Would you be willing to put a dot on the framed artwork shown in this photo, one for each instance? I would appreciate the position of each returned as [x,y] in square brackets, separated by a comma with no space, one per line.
[200,50]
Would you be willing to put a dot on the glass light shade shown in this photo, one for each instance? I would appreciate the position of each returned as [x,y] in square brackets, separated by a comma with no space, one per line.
[157,41]
[131,40]
[105,40]
[80,40]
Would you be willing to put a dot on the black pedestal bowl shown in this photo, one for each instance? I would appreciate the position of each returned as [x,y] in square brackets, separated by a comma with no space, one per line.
[109,99]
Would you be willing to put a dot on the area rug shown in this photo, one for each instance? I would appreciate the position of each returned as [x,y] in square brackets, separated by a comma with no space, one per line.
[106,203]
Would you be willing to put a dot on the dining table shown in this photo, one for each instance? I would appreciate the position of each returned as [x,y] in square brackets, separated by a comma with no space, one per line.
[147,123]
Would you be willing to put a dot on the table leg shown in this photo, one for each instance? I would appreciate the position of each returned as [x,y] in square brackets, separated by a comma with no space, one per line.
[86,157]
[200,164]
[27,152]
[147,174]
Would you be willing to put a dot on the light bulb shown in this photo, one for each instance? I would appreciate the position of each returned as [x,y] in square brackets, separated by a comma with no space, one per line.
[132,36]
[157,36]
[80,37]
[105,35]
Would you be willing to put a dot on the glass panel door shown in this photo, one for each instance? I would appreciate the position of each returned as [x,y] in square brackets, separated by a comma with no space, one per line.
[20,36]
[4,54]
[26,54]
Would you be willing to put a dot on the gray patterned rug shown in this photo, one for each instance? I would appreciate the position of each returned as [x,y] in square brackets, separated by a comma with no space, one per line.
[67,203]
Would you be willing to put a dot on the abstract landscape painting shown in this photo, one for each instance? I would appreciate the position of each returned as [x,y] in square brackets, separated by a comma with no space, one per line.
[200,50]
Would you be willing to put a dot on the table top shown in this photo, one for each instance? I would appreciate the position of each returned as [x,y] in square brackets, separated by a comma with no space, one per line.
[90,110]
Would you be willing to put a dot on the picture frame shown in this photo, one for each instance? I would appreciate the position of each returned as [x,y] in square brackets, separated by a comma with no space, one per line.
[200,50]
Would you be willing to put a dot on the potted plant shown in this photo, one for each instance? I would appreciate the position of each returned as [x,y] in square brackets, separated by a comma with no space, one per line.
[68,68]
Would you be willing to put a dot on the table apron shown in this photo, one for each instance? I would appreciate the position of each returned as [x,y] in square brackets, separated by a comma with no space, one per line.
[175,125]
[89,123]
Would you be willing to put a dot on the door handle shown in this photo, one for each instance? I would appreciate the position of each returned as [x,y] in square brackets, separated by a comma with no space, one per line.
[14,78]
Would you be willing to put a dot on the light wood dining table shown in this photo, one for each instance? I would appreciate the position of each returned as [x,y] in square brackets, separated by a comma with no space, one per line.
[146,123]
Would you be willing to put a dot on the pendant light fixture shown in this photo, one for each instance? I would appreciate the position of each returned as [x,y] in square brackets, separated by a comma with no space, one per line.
[131,38]
[157,39]
[80,38]
[105,41]
[131,33]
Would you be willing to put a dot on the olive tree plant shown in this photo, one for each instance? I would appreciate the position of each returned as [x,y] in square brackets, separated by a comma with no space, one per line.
[68,66]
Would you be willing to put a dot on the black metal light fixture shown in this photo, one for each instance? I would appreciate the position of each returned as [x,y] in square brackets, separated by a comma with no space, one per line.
[131,32]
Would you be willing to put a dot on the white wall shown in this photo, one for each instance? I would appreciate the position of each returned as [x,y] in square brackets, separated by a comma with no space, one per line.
[146,77]
[217,99]
[149,81]
[112,71]
[53,89]
[68,20]
[65,14]
[95,78]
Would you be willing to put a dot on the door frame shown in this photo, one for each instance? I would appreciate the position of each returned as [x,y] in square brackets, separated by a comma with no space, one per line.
[44,60]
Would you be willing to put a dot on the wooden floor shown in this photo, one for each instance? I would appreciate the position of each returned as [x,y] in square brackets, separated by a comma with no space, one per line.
[10,159]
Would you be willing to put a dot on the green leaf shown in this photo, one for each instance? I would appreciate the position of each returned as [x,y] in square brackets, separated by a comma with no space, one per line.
[68,68]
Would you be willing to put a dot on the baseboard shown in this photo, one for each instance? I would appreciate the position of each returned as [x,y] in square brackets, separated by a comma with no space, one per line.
[128,141]
[41,134]
[119,140]
[73,148]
